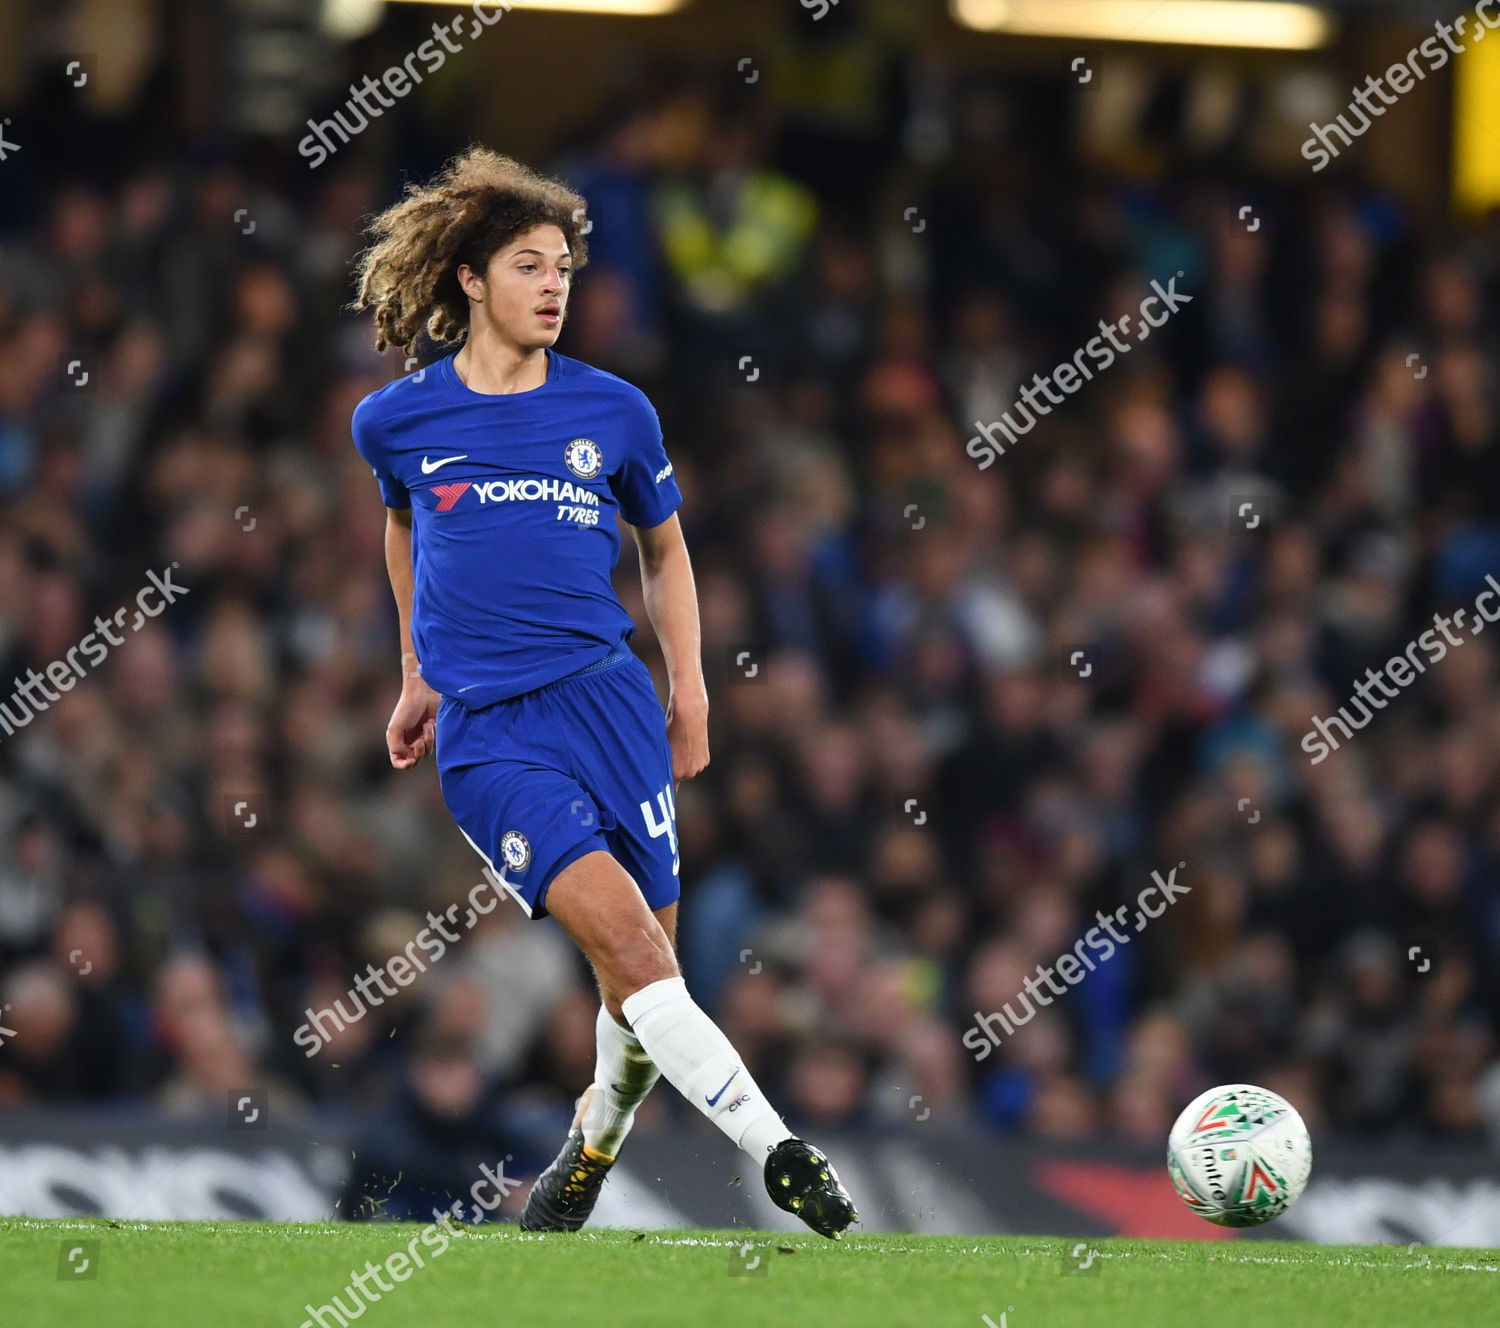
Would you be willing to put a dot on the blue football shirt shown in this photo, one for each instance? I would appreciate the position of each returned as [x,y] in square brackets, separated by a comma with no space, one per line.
[513,504]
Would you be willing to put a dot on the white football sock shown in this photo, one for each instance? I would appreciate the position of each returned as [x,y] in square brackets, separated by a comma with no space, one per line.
[623,1075]
[700,1063]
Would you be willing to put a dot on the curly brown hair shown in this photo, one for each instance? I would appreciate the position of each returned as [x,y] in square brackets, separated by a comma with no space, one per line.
[477,204]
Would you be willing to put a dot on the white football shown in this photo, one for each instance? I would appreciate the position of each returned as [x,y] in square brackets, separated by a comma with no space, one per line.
[1239,1155]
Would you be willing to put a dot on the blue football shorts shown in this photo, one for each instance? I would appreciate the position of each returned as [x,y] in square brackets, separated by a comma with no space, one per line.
[537,781]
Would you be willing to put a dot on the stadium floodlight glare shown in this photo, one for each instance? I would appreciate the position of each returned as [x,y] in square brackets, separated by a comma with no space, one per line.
[623,8]
[1269,24]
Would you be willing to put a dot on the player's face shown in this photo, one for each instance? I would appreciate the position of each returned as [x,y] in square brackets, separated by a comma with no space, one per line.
[527,287]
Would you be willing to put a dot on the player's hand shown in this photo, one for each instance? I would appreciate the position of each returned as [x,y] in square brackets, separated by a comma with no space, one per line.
[687,732]
[412,732]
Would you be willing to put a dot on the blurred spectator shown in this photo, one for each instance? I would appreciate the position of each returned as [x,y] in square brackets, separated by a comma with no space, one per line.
[989,702]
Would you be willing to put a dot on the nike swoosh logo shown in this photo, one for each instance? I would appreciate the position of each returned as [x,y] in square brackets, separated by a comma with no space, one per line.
[714,1100]
[429,466]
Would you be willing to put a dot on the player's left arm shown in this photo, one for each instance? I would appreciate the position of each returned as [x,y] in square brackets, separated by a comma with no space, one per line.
[672,603]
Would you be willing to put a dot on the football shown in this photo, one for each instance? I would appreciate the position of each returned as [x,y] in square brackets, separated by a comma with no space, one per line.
[1239,1155]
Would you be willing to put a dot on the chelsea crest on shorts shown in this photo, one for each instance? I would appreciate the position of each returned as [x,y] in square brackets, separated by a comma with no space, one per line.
[515,849]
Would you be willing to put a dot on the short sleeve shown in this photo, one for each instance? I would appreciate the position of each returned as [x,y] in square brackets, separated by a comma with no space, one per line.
[368,441]
[644,484]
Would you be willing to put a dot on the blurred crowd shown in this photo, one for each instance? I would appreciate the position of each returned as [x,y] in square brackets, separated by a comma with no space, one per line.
[923,791]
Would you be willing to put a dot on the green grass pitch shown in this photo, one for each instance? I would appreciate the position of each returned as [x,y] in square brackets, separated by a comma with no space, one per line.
[261,1275]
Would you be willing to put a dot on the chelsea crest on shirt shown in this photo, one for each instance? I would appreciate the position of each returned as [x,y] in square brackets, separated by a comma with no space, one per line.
[584,458]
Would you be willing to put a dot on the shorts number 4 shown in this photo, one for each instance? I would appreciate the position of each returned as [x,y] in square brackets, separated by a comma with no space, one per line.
[667,825]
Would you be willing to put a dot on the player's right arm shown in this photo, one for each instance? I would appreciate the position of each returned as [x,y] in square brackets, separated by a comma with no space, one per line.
[412,732]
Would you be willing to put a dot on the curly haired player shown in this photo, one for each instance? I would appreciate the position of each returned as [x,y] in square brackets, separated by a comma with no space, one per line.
[502,468]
